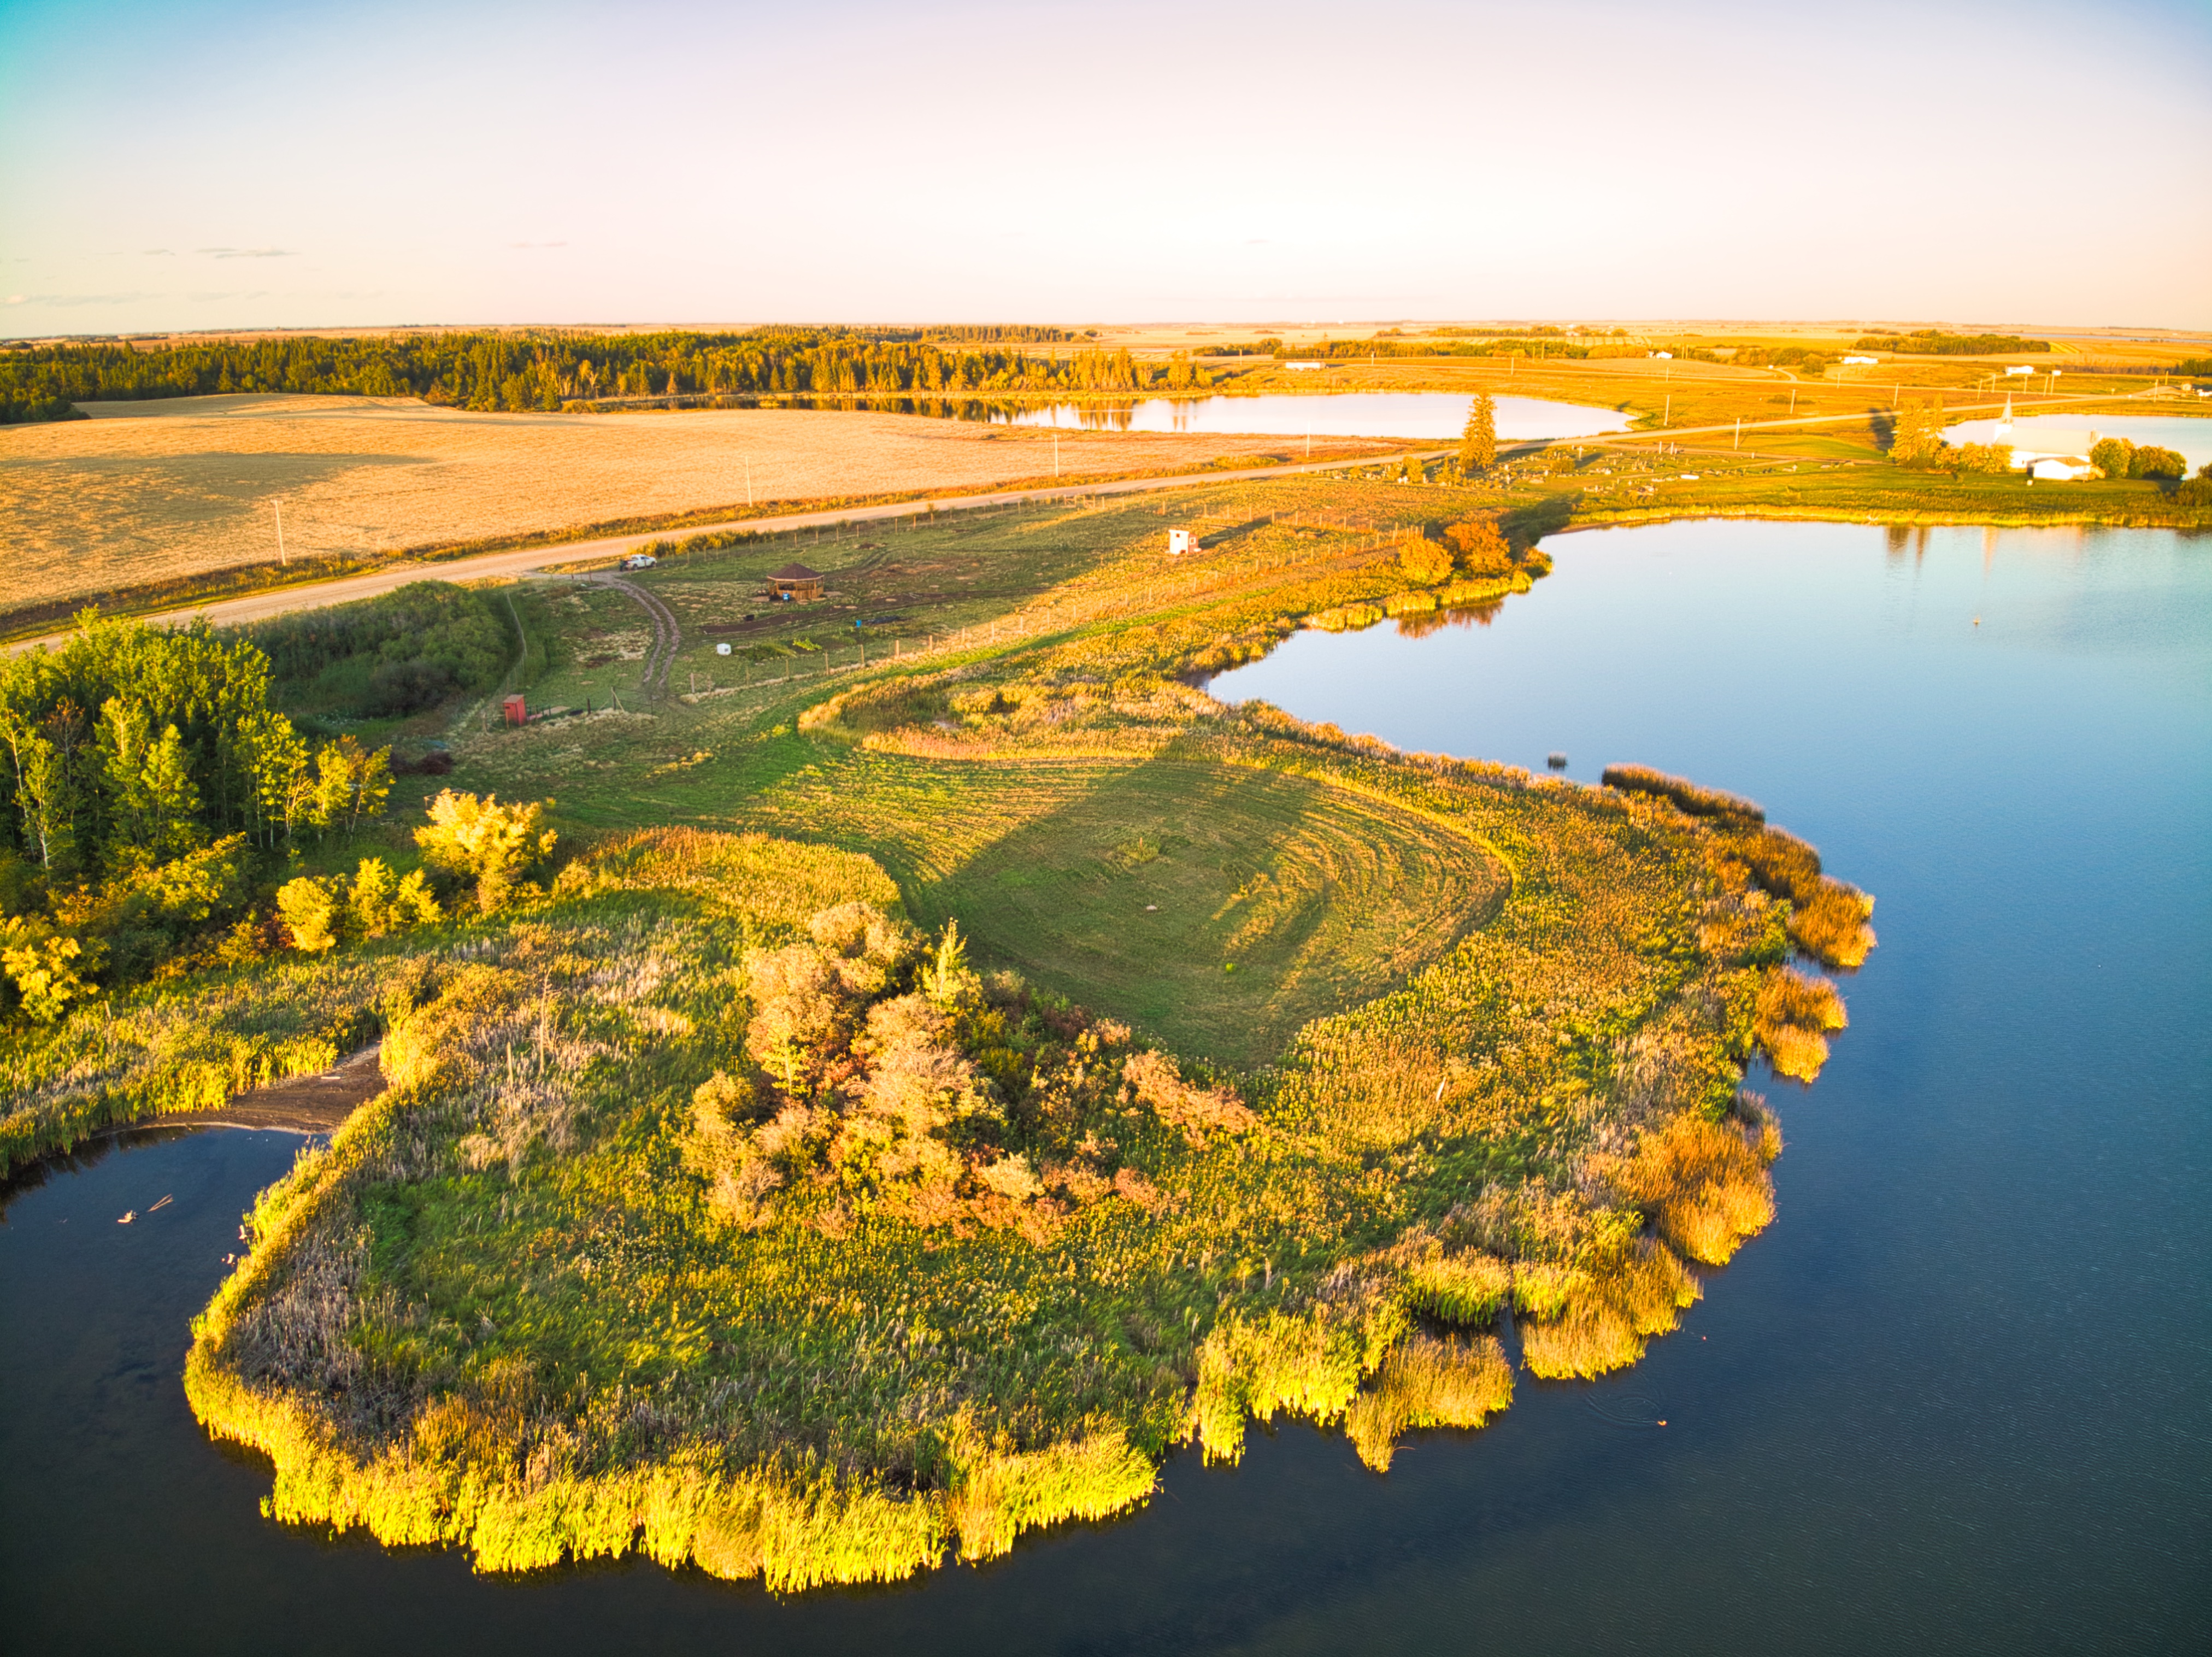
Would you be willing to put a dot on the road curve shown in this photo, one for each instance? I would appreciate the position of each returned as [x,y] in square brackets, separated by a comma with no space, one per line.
[667,633]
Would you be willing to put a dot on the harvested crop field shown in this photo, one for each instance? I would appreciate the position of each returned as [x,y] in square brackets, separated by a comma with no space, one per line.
[151,491]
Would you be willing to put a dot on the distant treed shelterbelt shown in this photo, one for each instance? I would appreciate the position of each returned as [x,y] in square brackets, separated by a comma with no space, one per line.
[1934,342]
[510,371]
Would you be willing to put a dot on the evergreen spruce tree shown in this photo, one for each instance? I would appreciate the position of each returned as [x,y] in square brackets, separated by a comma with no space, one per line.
[1478,444]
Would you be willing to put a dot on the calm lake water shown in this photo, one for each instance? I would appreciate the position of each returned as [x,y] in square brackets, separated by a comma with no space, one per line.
[2191,439]
[1953,1400]
[1414,414]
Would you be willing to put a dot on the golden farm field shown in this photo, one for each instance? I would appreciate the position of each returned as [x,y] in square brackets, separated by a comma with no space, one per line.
[152,491]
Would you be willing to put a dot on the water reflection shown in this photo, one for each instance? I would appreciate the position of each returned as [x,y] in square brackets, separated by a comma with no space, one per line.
[1415,414]
[1424,623]
[1440,416]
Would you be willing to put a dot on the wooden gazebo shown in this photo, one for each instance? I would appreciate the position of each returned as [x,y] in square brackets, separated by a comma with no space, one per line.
[796,581]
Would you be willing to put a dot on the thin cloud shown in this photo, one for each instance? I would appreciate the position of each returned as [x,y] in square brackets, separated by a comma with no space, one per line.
[249,253]
[80,299]
[156,253]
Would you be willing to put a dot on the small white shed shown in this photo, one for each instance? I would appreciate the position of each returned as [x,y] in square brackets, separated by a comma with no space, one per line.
[1181,541]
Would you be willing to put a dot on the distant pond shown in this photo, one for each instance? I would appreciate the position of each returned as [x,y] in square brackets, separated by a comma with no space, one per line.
[1405,414]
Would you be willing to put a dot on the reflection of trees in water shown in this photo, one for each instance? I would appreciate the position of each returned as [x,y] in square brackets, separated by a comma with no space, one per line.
[1122,417]
[1422,624]
[86,1154]
[991,410]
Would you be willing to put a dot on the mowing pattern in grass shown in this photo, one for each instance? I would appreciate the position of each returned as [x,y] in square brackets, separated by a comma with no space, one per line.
[1220,908]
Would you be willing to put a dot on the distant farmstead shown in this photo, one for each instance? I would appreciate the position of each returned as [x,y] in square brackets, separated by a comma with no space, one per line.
[795,583]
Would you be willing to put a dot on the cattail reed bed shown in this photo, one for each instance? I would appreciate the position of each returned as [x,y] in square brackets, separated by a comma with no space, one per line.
[1037,1064]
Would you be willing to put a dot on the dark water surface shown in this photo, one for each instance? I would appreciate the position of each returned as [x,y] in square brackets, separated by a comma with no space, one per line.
[1958,1398]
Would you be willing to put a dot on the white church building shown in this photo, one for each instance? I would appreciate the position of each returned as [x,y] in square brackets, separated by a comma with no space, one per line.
[2061,454]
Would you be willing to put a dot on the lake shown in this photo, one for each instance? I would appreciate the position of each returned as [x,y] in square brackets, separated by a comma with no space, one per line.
[1952,1401]
[1408,414]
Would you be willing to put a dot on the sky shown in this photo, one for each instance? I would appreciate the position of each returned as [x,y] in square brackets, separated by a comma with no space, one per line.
[205,165]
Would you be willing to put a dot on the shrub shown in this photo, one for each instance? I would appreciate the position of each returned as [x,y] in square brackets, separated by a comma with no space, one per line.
[1425,563]
[1480,547]
[310,910]
[381,902]
[1197,1112]
[406,687]
[318,913]
[2164,463]
[2114,457]
[44,966]
[486,841]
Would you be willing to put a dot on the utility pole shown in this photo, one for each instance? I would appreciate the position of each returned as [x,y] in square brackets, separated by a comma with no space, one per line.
[278,502]
[749,483]
[1668,418]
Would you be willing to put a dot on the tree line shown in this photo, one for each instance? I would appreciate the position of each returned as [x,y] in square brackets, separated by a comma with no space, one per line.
[1934,342]
[542,370]
[1490,346]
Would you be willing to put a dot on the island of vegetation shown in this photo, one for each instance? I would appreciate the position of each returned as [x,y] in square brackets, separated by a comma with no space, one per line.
[893,1092]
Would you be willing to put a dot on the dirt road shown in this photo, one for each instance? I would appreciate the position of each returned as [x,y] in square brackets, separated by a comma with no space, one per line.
[259,606]
[490,565]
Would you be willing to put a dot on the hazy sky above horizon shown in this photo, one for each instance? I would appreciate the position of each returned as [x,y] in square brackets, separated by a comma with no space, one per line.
[203,165]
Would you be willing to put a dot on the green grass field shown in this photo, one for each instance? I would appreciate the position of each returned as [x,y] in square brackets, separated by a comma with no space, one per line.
[1218,908]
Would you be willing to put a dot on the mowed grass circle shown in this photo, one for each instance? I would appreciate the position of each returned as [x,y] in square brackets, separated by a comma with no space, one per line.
[1136,896]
